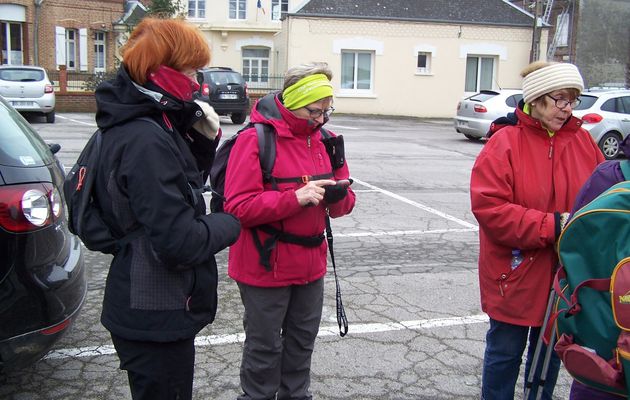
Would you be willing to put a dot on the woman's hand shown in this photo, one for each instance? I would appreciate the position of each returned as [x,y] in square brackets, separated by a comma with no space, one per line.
[313,192]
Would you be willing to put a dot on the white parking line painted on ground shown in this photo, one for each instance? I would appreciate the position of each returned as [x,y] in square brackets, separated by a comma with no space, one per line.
[352,128]
[76,121]
[418,205]
[214,340]
[404,233]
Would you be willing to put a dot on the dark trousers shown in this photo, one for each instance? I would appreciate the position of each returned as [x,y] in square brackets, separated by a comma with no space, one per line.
[157,371]
[281,325]
[505,344]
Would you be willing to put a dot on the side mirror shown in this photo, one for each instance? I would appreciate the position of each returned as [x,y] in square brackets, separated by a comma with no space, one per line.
[54,147]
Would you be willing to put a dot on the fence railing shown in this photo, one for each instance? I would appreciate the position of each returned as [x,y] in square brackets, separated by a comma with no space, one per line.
[263,84]
[72,81]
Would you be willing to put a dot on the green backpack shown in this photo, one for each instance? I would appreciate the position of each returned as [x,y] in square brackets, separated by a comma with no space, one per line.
[592,310]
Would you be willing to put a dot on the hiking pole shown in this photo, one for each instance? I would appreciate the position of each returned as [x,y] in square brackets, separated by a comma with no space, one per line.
[532,370]
[545,366]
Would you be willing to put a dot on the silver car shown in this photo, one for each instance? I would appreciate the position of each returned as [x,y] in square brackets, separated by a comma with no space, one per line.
[28,90]
[476,113]
[606,115]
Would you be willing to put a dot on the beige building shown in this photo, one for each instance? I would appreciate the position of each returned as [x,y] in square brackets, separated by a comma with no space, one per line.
[390,57]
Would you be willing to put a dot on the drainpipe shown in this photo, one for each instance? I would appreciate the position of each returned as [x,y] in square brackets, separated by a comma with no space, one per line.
[38,6]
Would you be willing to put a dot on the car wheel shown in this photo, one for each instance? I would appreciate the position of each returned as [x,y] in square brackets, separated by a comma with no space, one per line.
[238,118]
[50,117]
[471,137]
[609,144]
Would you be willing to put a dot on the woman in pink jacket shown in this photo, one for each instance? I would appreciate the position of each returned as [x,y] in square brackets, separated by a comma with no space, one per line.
[279,261]
[523,185]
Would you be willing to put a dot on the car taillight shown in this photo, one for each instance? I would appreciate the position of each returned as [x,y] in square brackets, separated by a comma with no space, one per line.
[29,207]
[592,118]
[205,89]
[480,109]
[459,105]
[245,89]
[49,89]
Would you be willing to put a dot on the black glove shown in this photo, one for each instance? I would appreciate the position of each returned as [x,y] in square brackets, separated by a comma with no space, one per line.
[335,193]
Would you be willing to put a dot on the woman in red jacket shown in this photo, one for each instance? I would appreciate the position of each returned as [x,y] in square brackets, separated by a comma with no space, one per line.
[523,185]
[282,287]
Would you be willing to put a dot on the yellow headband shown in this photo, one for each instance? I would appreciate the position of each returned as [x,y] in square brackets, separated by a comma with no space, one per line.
[306,91]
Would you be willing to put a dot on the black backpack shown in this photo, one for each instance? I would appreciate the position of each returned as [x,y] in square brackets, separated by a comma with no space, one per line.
[84,214]
[267,155]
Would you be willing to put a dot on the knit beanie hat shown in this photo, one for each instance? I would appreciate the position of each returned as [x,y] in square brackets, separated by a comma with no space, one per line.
[552,77]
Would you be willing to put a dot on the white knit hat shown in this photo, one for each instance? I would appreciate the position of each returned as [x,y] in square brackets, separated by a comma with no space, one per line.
[552,77]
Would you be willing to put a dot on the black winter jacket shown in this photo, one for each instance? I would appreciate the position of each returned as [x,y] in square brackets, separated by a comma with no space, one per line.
[162,286]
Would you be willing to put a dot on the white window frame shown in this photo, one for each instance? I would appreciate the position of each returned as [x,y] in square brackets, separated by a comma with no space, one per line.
[355,73]
[100,48]
[428,59]
[478,76]
[237,10]
[562,30]
[70,48]
[256,66]
[194,9]
[277,8]
[10,56]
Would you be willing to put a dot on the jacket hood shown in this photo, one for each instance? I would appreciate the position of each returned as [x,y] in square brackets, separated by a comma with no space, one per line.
[121,99]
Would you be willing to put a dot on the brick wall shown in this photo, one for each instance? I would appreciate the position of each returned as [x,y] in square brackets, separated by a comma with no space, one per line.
[93,15]
[75,102]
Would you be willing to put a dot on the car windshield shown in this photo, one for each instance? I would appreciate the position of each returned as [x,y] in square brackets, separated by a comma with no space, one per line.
[226,78]
[21,145]
[21,75]
[586,102]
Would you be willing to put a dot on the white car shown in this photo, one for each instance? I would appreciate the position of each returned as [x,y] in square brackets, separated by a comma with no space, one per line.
[28,90]
[476,113]
[606,115]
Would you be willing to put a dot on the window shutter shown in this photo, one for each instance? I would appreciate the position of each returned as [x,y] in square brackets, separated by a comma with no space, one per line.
[60,46]
[83,50]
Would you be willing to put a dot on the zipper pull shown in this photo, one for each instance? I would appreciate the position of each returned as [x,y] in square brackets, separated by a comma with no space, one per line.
[308,141]
[550,148]
[501,280]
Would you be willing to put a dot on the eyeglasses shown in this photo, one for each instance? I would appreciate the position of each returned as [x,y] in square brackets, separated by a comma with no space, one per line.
[318,113]
[562,103]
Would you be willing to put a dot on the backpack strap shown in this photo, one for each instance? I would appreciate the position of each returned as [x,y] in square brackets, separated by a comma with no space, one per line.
[625,169]
[266,149]
[267,154]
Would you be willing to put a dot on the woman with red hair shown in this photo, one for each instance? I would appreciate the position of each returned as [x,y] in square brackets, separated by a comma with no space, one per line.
[158,146]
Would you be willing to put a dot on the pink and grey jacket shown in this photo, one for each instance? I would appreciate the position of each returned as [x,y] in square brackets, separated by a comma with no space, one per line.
[299,152]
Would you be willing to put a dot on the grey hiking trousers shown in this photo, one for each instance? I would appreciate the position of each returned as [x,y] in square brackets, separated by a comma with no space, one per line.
[281,325]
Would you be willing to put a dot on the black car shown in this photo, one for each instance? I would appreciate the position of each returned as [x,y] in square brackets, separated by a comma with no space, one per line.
[42,278]
[225,90]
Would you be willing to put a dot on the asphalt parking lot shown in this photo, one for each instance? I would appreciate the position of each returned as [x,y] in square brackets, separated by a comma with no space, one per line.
[406,259]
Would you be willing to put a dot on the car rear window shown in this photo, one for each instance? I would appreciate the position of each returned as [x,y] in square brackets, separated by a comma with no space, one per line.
[586,102]
[226,78]
[482,96]
[21,145]
[21,75]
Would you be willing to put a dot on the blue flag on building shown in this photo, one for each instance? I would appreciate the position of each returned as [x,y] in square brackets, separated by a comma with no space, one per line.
[259,5]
